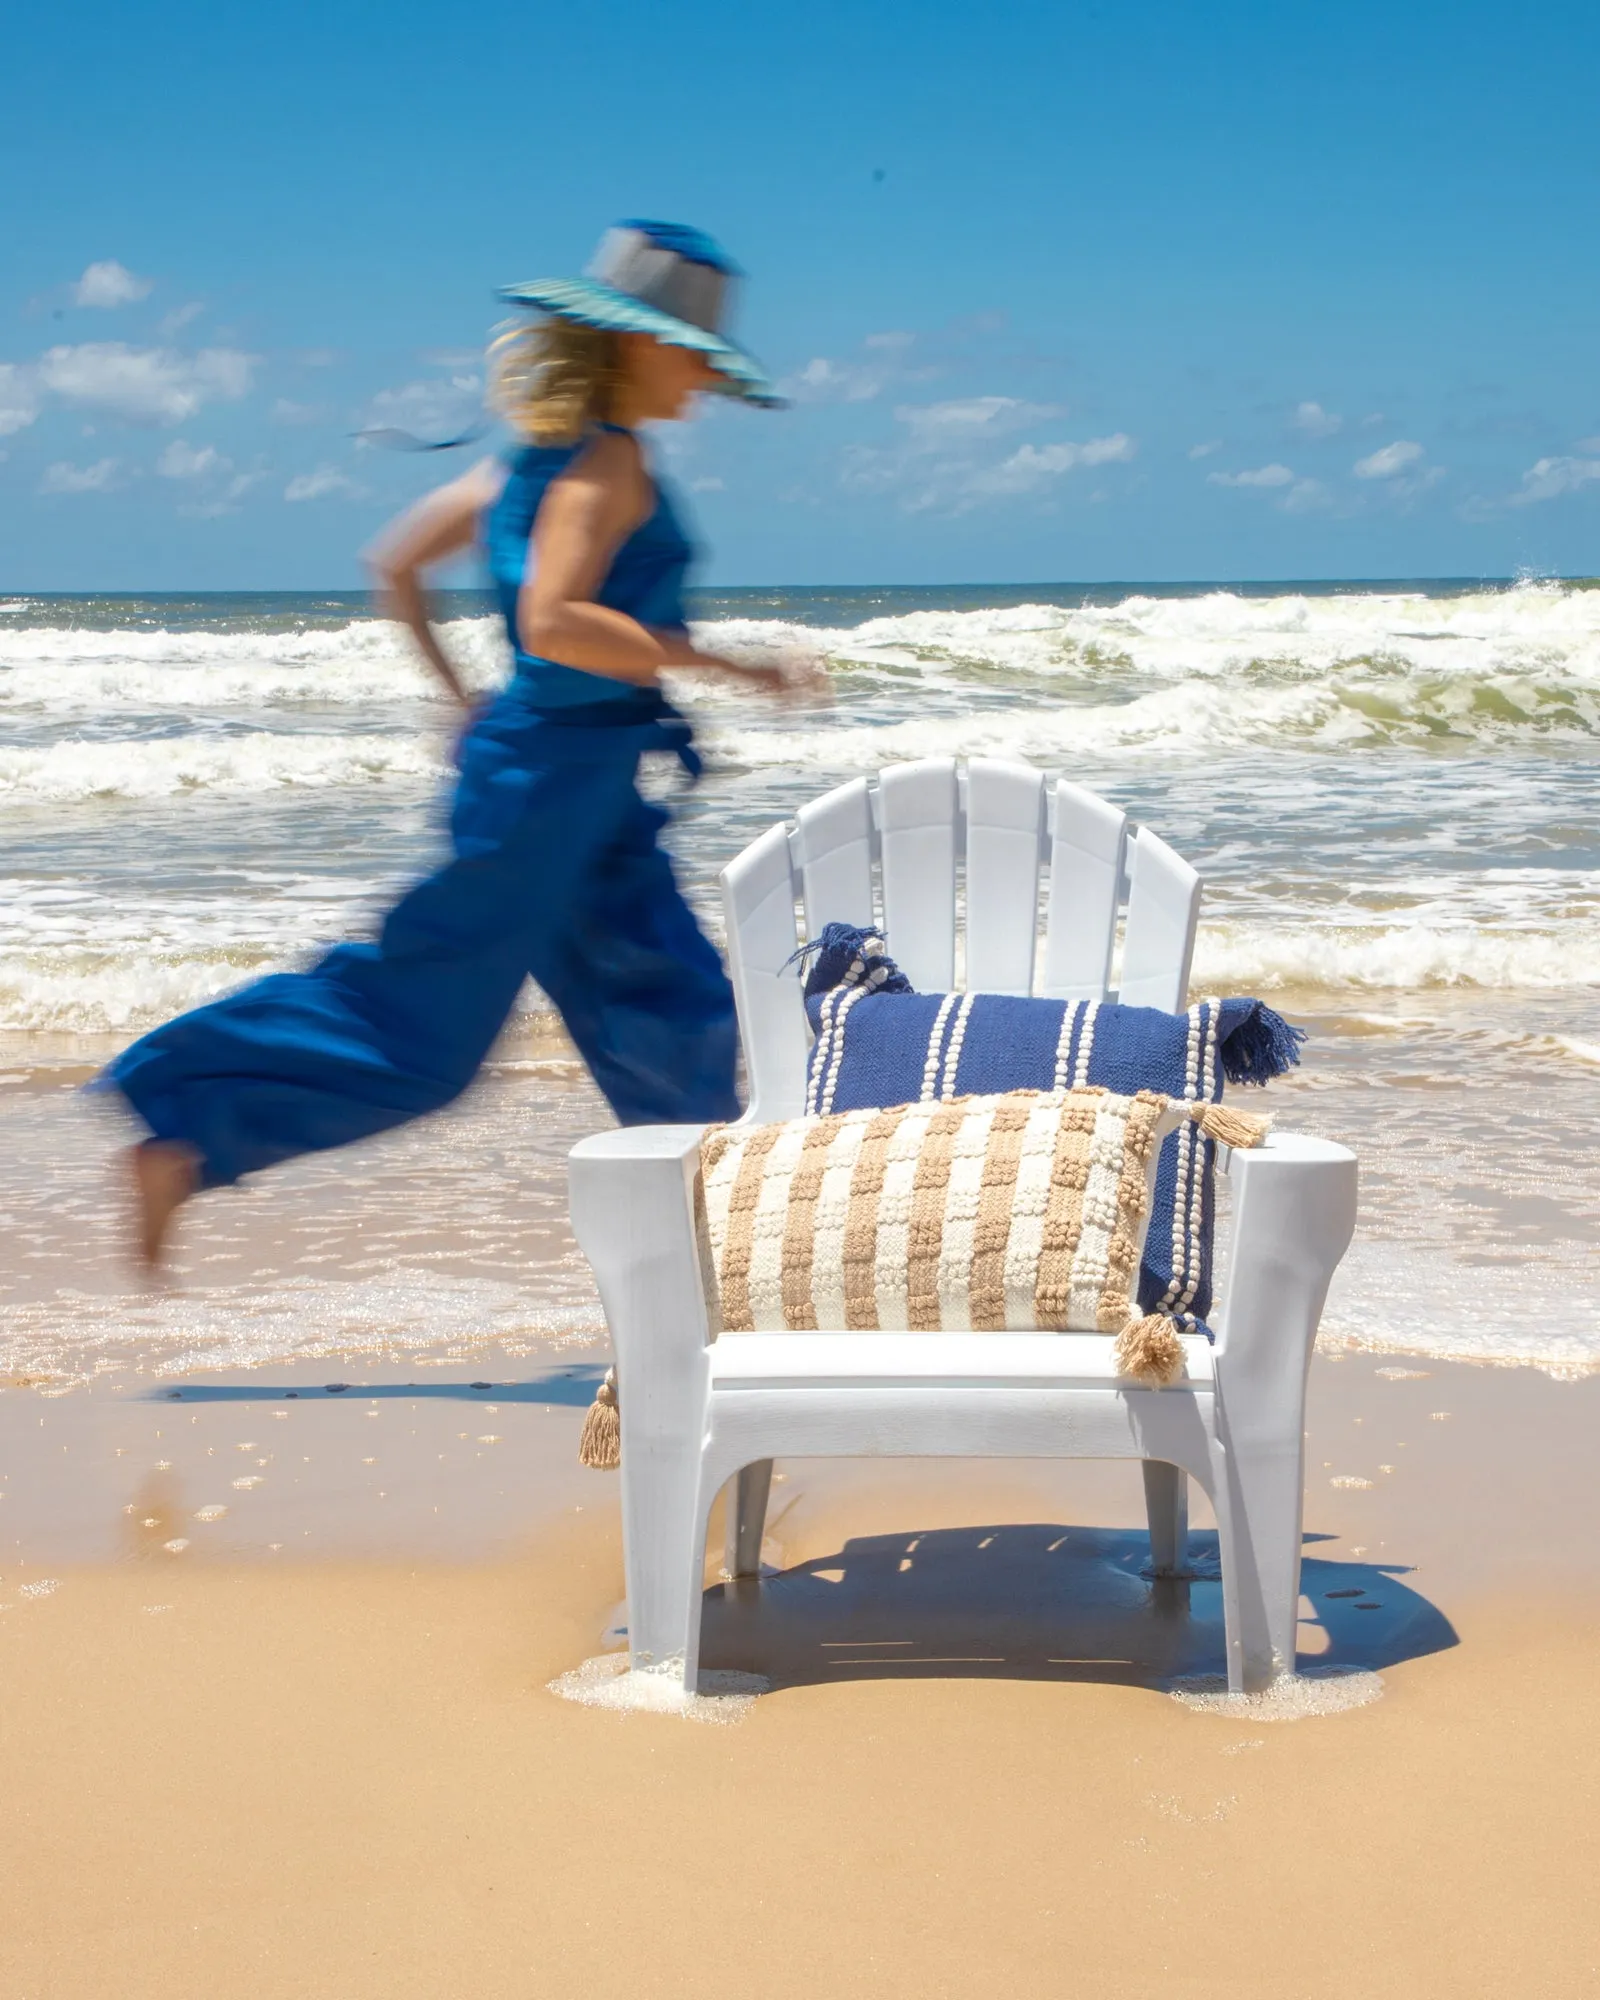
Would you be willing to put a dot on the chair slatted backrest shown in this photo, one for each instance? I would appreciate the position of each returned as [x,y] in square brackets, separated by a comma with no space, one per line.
[957,865]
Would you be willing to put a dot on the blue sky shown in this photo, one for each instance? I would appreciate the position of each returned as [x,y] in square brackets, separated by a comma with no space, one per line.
[1171,289]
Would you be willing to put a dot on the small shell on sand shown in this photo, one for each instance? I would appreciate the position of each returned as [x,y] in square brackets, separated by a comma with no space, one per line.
[607,1681]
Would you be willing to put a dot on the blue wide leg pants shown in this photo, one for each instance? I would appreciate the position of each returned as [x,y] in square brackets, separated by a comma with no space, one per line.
[555,873]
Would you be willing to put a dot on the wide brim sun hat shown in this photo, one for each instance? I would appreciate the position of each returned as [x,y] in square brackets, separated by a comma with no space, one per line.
[660,278]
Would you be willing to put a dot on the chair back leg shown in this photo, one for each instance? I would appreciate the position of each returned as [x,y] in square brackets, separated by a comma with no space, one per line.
[1166,1500]
[747,1518]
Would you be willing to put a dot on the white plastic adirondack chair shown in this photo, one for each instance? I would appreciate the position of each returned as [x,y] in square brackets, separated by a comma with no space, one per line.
[697,1412]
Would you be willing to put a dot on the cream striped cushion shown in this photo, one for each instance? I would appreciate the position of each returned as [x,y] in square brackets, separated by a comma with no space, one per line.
[1017,1213]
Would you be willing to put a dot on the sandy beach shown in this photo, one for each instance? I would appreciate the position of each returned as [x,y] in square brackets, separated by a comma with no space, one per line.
[278,1716]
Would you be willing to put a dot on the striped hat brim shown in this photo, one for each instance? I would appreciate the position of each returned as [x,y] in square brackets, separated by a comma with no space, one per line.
[593,304]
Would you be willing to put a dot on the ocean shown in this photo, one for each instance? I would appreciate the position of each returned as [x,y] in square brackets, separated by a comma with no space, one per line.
[1389,789]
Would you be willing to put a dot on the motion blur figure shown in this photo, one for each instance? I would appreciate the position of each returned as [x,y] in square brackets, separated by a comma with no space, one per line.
[555,871]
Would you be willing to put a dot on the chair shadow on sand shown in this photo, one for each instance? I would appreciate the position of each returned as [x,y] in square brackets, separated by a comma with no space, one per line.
[1038,1602]
[1030,1601]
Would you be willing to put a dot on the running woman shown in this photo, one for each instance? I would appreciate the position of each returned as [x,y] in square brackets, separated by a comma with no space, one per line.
[555,871]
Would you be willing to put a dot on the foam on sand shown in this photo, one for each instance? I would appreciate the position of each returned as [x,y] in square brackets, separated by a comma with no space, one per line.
[607,1681]
[1314,1691]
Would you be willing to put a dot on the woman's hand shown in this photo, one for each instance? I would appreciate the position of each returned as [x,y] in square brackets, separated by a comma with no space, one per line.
[796,679]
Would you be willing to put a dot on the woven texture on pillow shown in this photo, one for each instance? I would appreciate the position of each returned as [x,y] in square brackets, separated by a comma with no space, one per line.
[879,1043]
[1016,1213]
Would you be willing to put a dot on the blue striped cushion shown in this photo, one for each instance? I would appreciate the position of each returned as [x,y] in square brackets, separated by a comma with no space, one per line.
[879,1044]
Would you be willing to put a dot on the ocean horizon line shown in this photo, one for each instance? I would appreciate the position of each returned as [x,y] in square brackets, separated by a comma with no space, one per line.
[962,585]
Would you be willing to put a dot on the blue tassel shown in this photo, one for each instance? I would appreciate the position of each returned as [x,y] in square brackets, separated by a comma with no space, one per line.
[1262,1046]
[844,957]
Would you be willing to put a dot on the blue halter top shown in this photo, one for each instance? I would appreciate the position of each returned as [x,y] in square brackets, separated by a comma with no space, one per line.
[645,578]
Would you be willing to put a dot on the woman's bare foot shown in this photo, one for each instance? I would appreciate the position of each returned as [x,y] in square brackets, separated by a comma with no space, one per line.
[165,1173]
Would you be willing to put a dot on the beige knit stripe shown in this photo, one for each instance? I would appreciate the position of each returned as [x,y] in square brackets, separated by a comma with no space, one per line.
[894,1216]
[958,1233]
[1097,1213]
[799,1227]
[986,1287]
[721,1152]
[930,1189]
[734,1265]
[831,1215]
[1063,1208]
[1035,1162]
[766,1227]
[1138,1151]
[861,1224]
[706,1256]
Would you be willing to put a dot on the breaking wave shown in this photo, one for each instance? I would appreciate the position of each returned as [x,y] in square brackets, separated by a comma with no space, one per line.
[165,767]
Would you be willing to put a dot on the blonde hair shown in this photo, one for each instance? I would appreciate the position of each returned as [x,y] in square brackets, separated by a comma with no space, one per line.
[552,379]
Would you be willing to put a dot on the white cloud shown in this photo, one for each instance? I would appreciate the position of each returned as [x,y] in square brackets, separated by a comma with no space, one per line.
[1205,450]
[100,477]
[181,460]
[970,419]
[429,410]
[327,482]
[1315,421]
[286,411]
[1389,461]
[111,284]
[180,316]
[1549,478]
[884,362]
[1589,444]
[1261,475]
[144,385]
[1304,496]
[19,398]
[1031,465]
[706,485]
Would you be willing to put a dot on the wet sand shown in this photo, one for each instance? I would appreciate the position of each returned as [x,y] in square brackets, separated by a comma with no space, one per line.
[314,1750]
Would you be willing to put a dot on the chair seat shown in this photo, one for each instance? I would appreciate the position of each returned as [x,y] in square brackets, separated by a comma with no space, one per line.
[742,1361]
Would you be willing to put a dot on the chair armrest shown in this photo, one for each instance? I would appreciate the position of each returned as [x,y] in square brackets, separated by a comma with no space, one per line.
[632,1196]
[1294,1214]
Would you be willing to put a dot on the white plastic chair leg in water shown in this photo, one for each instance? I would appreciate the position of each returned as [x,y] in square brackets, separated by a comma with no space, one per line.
[956,864]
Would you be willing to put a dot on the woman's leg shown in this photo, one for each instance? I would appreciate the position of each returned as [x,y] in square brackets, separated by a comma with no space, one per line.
[641,989]
[379,1033]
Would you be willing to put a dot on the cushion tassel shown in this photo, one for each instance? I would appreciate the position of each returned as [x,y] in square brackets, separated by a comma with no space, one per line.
[1229,1127]
[1263,1046]
[600,1447]
[1150,1351]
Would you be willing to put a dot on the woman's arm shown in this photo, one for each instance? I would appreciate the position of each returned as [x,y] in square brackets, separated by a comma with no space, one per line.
[439,526]
[584,518]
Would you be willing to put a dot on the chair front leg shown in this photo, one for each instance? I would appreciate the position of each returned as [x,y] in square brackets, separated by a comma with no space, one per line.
[1295,1206]
[632,1198]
